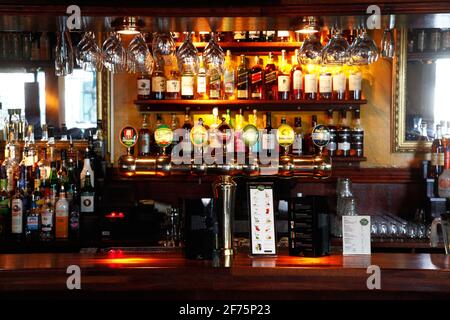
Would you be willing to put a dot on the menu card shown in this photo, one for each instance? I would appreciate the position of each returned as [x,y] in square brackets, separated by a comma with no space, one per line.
[356,235]
[262,222]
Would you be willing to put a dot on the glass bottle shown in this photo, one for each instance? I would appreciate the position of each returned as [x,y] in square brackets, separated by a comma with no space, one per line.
[239,145]
[284,78]
[74,215]
[310,147]
[4,203]
[143,87]
[354,85]
[87,196]
[297,146]
[331,147]
[214,82]
[242,79]
[270,79]
[188,80]
[186,139]
[33,221]
[268,137]
[158,84]
[229,77]
[144,138]
[343,135]
[47,225]
[62,216]
[437,154]
[296,78]
[17,214]
[346,204]
[325,85]
[214,139]
[310,86]
[339,85]
[357,137]
[173,86]
[256,82]
[201,80]
[85,171]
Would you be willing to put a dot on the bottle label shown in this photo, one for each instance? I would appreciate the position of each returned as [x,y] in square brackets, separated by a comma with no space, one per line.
[434,159]
[325,83]
[62,222]
[32,223]
[144,143]
[268,142]
[358,136]
[17,216]
[172,86]
[4,207]
[271,77]
[441,159]
[158,84]
[256,77]
[354,82]
[228,80]
[143,87]
[213,93]
[297,80]
[310,83]
[339,82]
[187,85]
[297,147]
[239,35]
[284,83]
[256,95]
[331,146]
[344,146]
[201,84]
[242,78]
[242,94]
[47,220]
[74,220]
[87,203]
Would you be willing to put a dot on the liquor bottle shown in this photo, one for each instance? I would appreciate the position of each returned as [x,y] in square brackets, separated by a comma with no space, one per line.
[143,87]
[239,36]
[242,79]
[239,145]
[72,152]
[99,142]
[144,138]
[437,154]
[444,178]
[31,155]
[331,147]
[11,163]
[343,135]
[201,80]
[285,137]
[268,137]
[256,83]
[87,196]
[33,221]
[310,147]
[297,146]
[214,82]
[339,85]
[47,225]
[296,78]
[17,214]
[325,86]
[173,86]
[53,183]
[254,36]
[270,79]
[253,119]
[224,131]
[158,84]
[62,216]
[186,139]
[74,215]
[357,138]
[188,80]
[229,77]
[4,204]
[354,85]
[214,136]
[310,86]
[62,172]
[284,78]
[85,171]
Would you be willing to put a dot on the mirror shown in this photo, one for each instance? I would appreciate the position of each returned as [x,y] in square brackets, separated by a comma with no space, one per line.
[31,93]
[420,99]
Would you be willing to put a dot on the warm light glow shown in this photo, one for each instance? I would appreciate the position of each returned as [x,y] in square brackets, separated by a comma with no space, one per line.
[308,30]
[146,173]
[128,32]
[130,260]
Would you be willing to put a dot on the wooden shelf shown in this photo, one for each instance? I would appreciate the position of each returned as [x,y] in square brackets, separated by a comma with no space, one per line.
[427,56]
[349,162]
[259,47]
[246,105]
[26,64]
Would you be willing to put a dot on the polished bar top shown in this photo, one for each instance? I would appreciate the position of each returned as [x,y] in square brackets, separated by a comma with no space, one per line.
[168,275]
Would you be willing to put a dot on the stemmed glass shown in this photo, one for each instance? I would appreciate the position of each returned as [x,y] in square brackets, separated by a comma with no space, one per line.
[115,56]
[63,54]
[139,58]
[163,47]
[336,50]
[310,51]
[187,53]
[88,54]
[213,54]
[387,44]
[364,50]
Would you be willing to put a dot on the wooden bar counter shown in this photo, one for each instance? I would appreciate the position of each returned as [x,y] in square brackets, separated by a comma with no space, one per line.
[168,275]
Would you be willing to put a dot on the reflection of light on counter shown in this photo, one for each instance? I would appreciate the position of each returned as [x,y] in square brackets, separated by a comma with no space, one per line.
[129,260]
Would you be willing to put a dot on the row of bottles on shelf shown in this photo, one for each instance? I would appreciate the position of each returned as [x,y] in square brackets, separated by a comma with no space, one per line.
[270,82]
[43,197]
[25,46]
[345,140]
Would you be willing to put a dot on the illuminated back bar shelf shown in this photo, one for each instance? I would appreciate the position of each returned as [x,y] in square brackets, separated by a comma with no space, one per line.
[247,105]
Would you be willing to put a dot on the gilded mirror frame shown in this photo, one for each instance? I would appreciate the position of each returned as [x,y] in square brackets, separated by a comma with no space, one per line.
[399,76]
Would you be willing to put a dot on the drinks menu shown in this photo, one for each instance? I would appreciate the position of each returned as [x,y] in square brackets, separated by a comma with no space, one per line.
[262,222]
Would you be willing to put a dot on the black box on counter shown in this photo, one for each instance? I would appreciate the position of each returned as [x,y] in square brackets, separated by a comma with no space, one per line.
[309,226]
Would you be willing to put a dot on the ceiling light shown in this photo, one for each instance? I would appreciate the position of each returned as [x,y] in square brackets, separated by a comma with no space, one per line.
[309,25]
[128,25]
